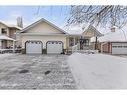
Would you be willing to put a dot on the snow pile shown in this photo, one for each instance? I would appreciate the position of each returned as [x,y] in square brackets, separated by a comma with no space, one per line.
[99,71]
[5,55]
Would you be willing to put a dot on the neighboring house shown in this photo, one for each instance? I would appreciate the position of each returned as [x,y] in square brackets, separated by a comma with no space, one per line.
[8,35]
[113,43]
[45,37]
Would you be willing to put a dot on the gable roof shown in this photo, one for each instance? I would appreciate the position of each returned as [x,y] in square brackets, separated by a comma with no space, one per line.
[81,28]
[10,26]
[114,37]
[43,20]
[90,27]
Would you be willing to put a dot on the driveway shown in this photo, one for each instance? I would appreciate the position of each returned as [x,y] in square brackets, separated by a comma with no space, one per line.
[35,72]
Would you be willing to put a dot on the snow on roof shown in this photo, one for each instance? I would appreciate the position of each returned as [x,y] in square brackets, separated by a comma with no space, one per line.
[10,25]
[81,28]
[117,36]
[4,37]
[76,29]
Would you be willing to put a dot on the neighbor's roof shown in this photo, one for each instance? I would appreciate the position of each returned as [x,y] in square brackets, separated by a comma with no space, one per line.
[4,37]
[117,36]
[10,25]
[41,20]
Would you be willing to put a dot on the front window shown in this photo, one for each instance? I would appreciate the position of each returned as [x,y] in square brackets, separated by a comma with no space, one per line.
[86,42]
[3,31]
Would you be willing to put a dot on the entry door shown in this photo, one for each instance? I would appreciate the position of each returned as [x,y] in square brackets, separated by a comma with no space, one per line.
[54,47]
[34,47]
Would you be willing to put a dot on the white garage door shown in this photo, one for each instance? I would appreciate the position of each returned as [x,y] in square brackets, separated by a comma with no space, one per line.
[34,47]
[54,47]
[119,48]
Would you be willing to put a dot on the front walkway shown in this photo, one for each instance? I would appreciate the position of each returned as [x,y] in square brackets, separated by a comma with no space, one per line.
[35,72]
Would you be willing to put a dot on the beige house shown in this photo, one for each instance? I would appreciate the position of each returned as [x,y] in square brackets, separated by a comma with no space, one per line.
[8,36]
[45,37]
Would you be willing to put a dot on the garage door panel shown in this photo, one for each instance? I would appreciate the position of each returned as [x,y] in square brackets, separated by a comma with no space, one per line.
[119,48]
[54,47]
[33,47]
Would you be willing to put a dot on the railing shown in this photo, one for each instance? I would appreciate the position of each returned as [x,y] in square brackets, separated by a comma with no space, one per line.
[75,48]
[86,49]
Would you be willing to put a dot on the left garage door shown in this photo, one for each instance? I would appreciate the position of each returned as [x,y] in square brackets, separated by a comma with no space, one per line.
[33,47]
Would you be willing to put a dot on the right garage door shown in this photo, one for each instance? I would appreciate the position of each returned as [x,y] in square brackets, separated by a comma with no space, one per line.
[119,48]
[54,47]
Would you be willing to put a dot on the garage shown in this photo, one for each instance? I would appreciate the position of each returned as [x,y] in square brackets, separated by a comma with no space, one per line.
[119,48]
[54,47]
[33,47]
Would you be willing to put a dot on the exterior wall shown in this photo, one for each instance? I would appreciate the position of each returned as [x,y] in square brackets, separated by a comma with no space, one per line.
[12,32]
[107,48]
[44,28]
[88,33]
[9,43]
[44,39]
[3,26]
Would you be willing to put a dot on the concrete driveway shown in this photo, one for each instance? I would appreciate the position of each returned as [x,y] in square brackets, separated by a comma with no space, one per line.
[35,72]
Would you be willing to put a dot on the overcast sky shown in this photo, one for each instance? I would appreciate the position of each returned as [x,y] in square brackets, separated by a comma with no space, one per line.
[56,14]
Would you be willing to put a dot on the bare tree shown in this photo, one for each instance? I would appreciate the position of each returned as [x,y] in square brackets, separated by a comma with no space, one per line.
[111,15]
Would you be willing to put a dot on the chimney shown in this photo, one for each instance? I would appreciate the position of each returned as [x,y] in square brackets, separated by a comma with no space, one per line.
[113,29]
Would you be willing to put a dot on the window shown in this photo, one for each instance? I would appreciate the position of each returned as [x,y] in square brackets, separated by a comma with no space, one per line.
[71,42]
[86,42]
[3,31]
[114,46]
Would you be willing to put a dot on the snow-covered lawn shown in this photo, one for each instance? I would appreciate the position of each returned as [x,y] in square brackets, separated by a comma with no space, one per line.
[99,71]
[5,55]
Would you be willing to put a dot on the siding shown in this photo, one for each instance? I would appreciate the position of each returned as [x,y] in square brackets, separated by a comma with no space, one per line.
[44,28]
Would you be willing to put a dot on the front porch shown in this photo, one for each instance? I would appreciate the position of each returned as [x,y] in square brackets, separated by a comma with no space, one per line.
[7,45]
[82,42]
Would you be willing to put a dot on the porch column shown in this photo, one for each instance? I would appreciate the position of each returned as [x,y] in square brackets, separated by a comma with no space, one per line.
[0,44]
[13,46]
[74,40]
[96,43]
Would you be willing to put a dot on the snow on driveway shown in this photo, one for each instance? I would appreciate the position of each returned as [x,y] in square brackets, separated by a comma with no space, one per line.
[99,71]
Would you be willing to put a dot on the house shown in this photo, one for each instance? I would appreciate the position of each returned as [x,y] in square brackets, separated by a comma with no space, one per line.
[45,37]
[8,35]
[82,33]
[113,42]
